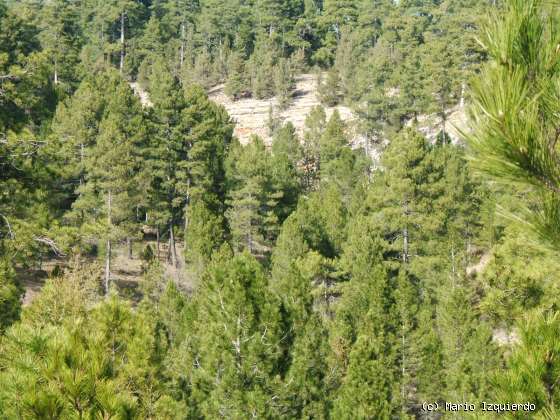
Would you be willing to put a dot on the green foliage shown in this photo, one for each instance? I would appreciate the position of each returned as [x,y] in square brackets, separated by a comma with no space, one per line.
[329,90]
[518,278]
[233,349]
[283,82]
[186,161]
[254,195]
[515,108]
[95,362]
[314,284]
[532,367]
[205,233]
[236,83]
[261,67]
[26,92]
[10,295]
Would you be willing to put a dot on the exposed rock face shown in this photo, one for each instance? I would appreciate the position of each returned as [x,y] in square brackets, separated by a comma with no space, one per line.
[252,115]
[431,125]
[142,94]
[505,338]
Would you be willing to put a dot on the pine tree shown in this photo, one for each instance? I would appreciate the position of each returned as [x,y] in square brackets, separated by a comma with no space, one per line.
[167,154]
[283,82]
[337,162]
[466,344]
[75,129]
[187,156]
[110,193]
[178,18]
[314,125]
[306,380]
[236,83]
[235,366]
[509,101]
[286,157]
[61,38]
[532,367]
[209,140]
[366,389]
[151,44]
[516,279]
[26,91]
[261,67]
[97,364]
[515,142]
[125,12]
[10,295]
[253,197]
[205,233]
[329,90]
[312,236]
[365,330]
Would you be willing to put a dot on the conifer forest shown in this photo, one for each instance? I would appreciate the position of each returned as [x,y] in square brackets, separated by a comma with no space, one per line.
[377,238]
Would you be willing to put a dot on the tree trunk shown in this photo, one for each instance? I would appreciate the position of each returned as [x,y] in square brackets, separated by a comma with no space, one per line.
[157,242]
[168,256]
[405,235]
[405,245]
[107,267]
[108,251]
[443,120]
[173,250]
[121,68]
[403,369]
[103,44]
[129,247]
[55,72]
[182,44]
[453,268]
[82,155]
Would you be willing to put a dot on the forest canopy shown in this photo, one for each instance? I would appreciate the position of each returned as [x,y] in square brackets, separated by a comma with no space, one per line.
[155,266]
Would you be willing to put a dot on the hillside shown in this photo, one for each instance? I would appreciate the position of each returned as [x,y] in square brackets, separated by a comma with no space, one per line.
[251,115]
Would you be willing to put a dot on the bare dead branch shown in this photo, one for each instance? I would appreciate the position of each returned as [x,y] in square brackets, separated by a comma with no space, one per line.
[8,77]
[10,231]
[51,244]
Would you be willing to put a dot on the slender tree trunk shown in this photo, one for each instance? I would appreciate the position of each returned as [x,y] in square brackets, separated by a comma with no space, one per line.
[55,72]
[108,251]
[403,369]
[405,235]
[453,268]
[157,242]
[173,250]
[121,68]
[443,120]
[129,247]
[107,267]
[103,44]
[250,242]
[405,245]
[82,154]
[182,44]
